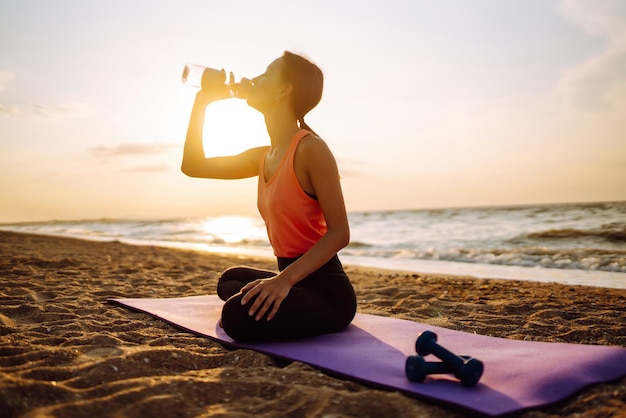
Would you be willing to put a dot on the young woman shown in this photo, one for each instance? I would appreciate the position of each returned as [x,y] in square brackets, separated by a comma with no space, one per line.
[301,202]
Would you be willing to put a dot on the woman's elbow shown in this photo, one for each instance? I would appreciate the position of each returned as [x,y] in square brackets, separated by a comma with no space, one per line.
[343,237]
[188,169]
[346,238]
[185,169]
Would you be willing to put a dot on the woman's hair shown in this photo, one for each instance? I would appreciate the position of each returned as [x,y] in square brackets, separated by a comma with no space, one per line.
[308,82]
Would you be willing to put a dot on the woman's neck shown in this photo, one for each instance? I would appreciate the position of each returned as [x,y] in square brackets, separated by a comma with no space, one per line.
[281,129]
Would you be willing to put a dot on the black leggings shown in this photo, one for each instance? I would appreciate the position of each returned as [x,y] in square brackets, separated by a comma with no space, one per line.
[323,302]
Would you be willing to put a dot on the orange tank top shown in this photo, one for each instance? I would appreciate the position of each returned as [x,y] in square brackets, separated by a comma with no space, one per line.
[294,220]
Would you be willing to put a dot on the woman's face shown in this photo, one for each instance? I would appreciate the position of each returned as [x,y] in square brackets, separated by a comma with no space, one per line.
[266,87]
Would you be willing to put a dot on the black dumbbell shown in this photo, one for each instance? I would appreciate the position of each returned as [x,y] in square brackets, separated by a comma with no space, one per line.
[416,368]
[468,371]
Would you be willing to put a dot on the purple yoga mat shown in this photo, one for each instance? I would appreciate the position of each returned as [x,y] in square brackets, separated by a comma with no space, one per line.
[518,374]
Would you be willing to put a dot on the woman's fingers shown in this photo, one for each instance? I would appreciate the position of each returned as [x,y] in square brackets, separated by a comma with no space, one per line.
[246,289]
[275,307]
[264,307]
[260,305]
[242,90]
[269,294]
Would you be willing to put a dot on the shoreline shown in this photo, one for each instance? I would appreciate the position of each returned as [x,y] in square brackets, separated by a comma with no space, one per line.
[594,278]
[67,352]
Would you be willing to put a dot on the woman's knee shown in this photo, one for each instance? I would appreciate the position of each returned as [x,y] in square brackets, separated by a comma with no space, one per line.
[245,274]
[232,280]
[233,273]
[235,320]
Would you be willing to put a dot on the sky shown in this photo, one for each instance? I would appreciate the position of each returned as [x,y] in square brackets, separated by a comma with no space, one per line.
[427,104]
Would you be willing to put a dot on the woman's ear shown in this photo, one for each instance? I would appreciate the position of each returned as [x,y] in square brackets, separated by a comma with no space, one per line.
[284,91]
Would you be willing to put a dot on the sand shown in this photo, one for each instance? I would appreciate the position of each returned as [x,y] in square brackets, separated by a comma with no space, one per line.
[66,352]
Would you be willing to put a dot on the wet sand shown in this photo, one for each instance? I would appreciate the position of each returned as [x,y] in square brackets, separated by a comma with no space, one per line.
[66,352]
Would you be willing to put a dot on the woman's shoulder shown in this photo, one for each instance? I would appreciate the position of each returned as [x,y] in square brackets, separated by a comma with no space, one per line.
[312,143]
[314,148]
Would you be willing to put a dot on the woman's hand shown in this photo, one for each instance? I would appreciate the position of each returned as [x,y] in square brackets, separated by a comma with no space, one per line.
[242,89]
[214,86]
[270,294]
[206,97]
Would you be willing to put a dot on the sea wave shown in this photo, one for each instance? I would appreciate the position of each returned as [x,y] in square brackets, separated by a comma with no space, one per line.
[613,232]
[573,258]
[566,236]
[359,244]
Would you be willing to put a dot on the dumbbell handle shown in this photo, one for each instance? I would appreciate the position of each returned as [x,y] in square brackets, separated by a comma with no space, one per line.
[468,371]
[427,343]
[417,368]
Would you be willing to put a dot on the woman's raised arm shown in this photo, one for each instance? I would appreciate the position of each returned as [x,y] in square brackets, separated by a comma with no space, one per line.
[195,164]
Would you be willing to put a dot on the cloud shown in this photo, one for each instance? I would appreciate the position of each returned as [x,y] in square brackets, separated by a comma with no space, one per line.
[149,168]
[132,149]
[599,83]
[36,110]
[5,78]
[604,18]
[135,157]
[42,111]
[350,167]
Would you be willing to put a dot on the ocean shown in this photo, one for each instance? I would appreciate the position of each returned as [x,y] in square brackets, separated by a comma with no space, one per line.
[566,243]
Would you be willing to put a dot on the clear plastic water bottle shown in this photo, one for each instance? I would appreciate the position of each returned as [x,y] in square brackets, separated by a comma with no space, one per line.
[195,75]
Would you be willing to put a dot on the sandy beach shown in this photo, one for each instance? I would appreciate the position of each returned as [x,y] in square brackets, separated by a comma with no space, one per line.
[66,352]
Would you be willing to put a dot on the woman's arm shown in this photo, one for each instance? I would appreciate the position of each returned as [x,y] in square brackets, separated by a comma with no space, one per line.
[195,164]
[324,181]
[323,175]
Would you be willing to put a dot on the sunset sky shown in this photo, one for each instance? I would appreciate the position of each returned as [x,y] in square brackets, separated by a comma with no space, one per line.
[426,103]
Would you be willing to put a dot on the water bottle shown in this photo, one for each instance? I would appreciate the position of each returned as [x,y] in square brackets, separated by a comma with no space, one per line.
[195,75]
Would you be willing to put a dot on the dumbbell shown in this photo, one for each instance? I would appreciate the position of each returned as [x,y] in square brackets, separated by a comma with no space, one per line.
[468,371]
[417,368]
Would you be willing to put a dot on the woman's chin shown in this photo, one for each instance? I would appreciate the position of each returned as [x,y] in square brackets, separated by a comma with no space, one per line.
[256,105]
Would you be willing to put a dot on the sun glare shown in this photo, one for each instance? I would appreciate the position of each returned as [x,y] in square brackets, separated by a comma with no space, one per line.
[235,229]
[231,127]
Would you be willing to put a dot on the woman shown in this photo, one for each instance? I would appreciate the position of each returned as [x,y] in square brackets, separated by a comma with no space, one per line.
[301,202]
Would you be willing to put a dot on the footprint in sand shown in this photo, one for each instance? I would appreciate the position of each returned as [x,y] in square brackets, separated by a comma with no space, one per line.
[42,296]
[103,352]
